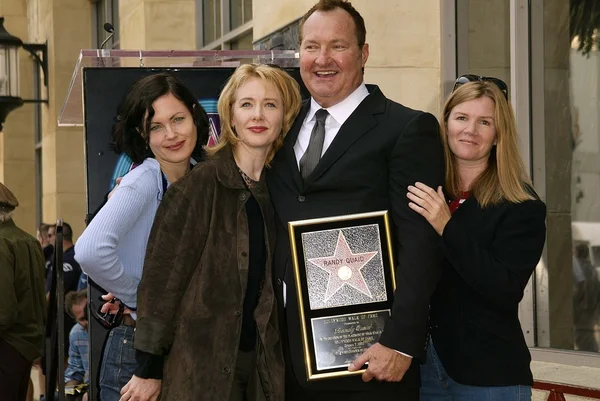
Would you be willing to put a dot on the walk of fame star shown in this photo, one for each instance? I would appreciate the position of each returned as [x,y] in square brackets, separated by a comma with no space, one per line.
[344,267]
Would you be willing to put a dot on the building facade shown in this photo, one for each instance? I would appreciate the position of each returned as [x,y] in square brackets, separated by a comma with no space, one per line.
[417,48]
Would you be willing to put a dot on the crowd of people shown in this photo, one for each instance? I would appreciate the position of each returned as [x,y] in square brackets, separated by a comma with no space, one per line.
[193,252]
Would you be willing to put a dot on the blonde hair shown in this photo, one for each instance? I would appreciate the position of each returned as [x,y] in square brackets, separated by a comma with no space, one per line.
[287,87]
[504,177]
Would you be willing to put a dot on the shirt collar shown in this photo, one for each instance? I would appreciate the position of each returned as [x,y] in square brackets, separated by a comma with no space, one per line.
[342,110]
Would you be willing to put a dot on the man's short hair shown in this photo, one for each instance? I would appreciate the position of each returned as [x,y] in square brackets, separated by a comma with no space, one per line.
[67,232]
[43,229]
[330,5]
[74,298]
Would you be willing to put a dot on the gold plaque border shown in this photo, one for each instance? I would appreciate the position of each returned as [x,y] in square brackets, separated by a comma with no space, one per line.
[291,228]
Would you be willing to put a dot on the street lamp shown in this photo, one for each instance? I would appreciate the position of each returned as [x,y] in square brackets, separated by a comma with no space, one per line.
[9,73]
[10,98]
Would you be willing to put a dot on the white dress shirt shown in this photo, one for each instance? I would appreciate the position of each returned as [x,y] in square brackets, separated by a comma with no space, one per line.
[338,114]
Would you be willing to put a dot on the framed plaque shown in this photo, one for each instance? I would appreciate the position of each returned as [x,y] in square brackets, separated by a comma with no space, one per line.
[343,268]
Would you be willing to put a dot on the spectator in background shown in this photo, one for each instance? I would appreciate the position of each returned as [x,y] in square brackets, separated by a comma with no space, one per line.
[71,276]
[77,370]
[78,365]
[52,234]
[22,304]
[71,268]
[47,244]
[83,282]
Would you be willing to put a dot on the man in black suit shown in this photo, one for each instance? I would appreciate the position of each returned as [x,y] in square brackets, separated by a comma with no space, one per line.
[358,156]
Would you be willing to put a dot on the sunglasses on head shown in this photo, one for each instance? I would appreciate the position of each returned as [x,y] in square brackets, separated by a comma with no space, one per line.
[463,79]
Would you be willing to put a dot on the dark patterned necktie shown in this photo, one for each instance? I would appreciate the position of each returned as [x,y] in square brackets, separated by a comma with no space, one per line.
[312,155]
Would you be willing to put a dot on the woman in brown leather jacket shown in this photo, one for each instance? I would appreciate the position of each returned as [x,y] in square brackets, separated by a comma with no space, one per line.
[206,304]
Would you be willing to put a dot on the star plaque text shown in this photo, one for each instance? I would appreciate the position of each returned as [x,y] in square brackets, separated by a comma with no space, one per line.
[343,268]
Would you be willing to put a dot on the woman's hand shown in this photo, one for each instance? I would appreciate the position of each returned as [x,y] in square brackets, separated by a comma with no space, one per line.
[112,305]
[429,204]
[139,389]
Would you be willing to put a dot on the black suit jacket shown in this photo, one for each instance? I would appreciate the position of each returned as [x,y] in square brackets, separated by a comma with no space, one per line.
[381,149]
[490,253]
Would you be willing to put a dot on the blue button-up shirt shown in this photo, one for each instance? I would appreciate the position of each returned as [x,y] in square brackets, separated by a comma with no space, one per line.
[78,367]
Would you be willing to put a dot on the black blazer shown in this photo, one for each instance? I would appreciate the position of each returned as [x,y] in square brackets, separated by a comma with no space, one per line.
[381,149]
[490,255]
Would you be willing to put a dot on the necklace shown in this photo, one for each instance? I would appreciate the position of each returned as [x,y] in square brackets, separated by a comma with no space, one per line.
[250,183]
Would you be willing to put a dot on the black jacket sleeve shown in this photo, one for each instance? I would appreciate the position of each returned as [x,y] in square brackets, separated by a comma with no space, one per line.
[149,366]
[417,156]
[499,273]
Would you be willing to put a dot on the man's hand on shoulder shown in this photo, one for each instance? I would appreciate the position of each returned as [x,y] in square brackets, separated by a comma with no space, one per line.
[385,364]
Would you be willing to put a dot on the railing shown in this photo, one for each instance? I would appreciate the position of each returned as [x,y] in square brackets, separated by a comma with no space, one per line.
[558,391]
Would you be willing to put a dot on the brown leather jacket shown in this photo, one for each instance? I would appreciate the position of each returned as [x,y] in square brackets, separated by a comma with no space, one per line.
[192,290]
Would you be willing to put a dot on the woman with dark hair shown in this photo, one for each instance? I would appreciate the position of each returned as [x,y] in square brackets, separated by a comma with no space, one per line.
[161,127]
[492,233]
[206,299]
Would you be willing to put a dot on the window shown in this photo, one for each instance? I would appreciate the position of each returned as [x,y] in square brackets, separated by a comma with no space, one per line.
[105,11]
[566,136]
[224,24]
[211,20]
[241,12]
[555,92]
[578,80]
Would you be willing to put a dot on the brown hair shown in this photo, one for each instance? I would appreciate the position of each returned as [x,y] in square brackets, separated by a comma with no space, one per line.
[287,87]
[330,5]
[504,177]
[43,229]
[74,298]
[131,132]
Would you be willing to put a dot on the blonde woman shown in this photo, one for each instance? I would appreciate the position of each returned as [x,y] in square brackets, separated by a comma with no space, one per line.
[492,233]
[206,303]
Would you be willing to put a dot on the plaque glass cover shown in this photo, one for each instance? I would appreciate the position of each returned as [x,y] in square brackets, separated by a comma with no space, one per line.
[344,285]
[344,266]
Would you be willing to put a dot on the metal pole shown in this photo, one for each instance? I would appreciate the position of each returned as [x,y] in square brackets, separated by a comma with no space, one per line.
[60,298]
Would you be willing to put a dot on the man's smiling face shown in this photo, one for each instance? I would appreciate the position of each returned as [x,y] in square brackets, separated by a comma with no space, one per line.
[331,60]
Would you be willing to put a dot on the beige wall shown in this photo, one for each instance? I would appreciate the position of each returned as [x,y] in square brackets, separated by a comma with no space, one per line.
[157,24]
[65,24]
[404,49]
[269,15]
[17,163]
